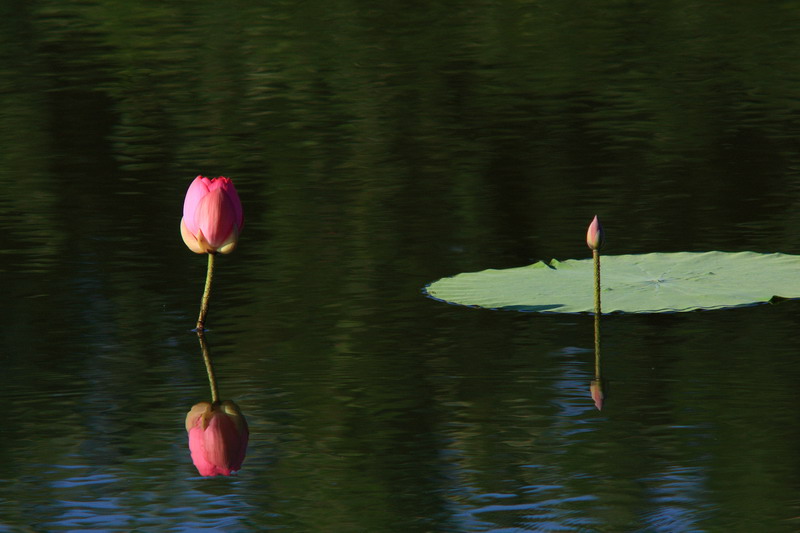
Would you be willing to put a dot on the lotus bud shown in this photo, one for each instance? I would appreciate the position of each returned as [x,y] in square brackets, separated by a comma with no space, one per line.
[595,235]
[212,216]
[218,436]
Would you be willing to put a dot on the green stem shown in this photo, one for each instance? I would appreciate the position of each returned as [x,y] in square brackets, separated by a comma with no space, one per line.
[206,294]
[596,257]
[212,381]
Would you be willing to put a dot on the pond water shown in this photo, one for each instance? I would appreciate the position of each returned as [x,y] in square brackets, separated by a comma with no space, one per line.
[378,148]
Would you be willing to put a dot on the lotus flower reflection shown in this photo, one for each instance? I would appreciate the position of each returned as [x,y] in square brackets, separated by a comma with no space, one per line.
[218,437]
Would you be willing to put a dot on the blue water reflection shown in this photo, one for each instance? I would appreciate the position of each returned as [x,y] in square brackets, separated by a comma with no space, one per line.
[678,494]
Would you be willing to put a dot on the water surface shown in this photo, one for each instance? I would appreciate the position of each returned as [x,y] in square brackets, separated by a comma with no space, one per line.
[376,149]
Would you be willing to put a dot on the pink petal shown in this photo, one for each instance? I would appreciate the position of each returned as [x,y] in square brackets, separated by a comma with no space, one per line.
[243,432]
[215,217]
[222,442]
[197,190]
[236,462]
[227,185]
[199,455]
[230,243]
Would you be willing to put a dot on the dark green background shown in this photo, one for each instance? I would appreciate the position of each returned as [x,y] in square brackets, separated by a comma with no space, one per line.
[378,146]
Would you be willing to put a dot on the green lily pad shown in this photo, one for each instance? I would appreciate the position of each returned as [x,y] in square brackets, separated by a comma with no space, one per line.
[645,283]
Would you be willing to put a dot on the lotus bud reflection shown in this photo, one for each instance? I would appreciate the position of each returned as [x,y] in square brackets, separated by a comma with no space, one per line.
[595,236]
[218,437]
[596,389]
[212,216]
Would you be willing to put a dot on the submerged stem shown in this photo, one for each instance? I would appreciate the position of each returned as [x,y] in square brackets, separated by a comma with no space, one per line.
[206,294]
[212,381]
[597,311]
[597,346]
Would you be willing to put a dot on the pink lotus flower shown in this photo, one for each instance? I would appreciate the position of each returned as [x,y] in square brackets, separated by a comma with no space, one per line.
[595,235]
[212,216]
[218,437]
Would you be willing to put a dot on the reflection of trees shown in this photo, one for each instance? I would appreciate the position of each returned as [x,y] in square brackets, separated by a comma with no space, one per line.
[494,94]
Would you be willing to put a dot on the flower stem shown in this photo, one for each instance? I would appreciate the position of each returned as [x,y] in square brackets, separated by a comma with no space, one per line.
[206,293]
[212,381]
[596,257]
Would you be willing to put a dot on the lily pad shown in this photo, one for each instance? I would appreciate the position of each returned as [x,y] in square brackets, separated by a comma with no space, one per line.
[644,283]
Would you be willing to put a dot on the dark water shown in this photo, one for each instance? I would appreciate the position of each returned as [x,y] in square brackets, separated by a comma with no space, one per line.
[377,148]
